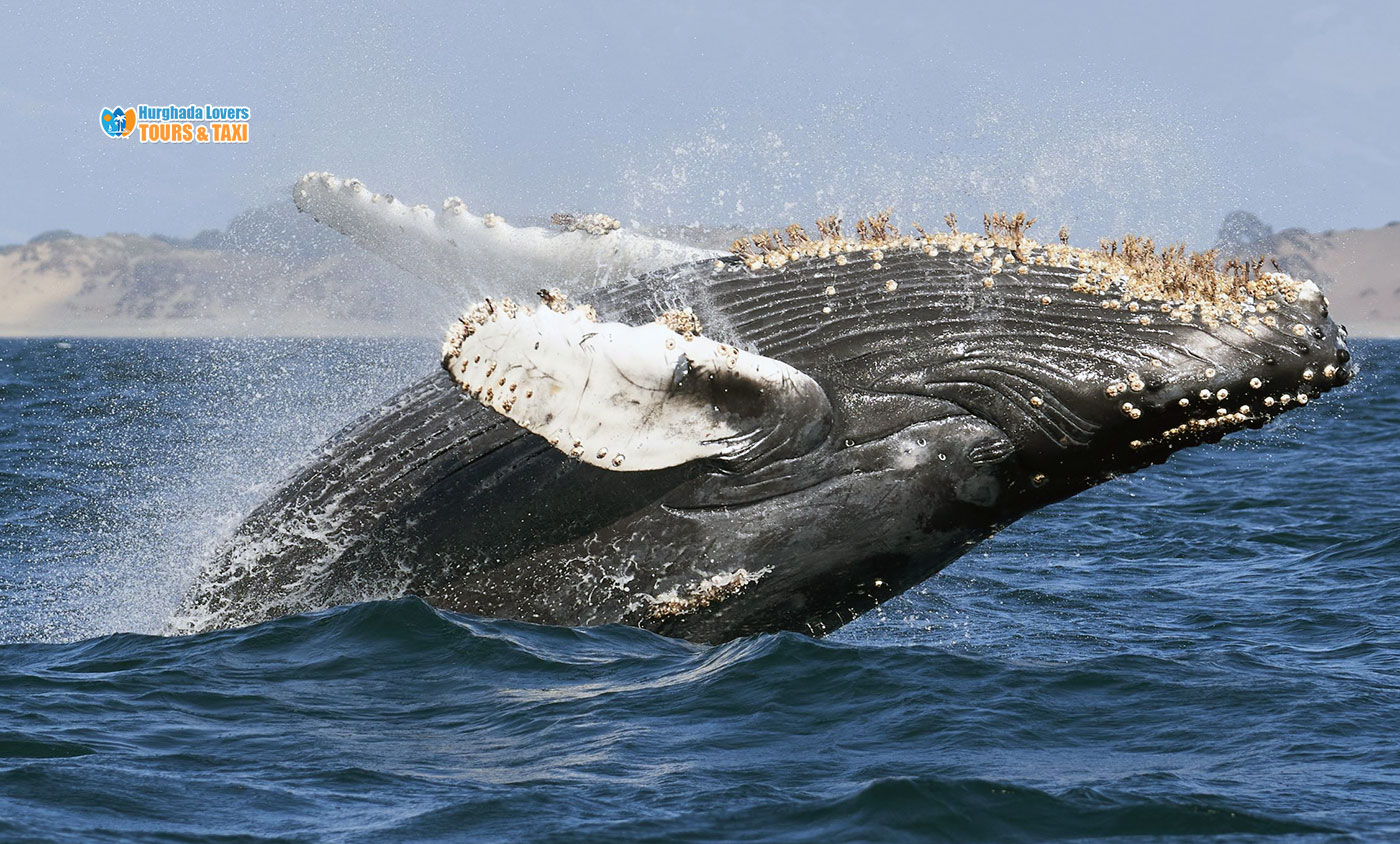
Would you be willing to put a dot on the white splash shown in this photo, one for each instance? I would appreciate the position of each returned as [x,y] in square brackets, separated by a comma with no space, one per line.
[479,254]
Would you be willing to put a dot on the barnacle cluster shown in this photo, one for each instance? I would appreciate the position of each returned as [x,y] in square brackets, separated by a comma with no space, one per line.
[709,591]
[594,224]
[1128,272]
[683,321]
[478,376]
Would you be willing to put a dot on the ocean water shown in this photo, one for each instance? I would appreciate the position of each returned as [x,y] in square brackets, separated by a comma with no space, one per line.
[1209,650]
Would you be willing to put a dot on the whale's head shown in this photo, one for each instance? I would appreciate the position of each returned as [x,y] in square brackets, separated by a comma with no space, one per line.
[1091,379]
[1254,359]
[976,378]
[1080,365]
[1105,376]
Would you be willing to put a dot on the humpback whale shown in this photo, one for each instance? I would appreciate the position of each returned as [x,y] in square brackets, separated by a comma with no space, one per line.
[777,438]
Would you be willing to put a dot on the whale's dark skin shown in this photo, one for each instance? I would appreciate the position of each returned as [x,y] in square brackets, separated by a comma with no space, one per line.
[956,408]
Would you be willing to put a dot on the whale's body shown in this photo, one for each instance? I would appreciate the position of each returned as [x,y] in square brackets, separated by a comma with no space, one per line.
[933,396]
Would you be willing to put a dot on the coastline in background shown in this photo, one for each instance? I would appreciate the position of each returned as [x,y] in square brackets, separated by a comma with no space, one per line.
[274,272]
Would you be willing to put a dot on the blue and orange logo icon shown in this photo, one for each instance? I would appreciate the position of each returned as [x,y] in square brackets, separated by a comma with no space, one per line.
[118,122]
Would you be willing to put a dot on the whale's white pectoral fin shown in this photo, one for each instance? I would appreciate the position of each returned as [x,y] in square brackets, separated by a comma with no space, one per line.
[632,397]
[457,248]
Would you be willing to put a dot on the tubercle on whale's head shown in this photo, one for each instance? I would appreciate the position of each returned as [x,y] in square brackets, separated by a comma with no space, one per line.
[1240,369]
[1175,353]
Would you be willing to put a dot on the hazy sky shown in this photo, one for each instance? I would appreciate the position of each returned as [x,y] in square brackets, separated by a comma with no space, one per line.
[1105,116]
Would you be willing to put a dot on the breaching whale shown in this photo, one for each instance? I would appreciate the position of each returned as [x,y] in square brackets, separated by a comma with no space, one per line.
[779,438]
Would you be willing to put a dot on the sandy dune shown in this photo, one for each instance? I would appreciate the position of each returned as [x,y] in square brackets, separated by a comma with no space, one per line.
[138,286]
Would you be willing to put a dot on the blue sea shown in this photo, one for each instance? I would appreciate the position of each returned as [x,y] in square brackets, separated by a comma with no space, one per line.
[1206,651]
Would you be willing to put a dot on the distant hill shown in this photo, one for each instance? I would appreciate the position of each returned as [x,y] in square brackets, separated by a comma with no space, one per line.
[1359,269]
[276,272]
[270,273]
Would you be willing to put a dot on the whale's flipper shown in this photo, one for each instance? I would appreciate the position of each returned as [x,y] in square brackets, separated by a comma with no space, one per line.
[457,248]
[633,397]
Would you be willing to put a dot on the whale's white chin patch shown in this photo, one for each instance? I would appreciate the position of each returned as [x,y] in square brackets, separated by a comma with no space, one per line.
[631,397]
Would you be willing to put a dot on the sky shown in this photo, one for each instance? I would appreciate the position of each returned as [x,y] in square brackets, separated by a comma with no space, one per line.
[1106,117]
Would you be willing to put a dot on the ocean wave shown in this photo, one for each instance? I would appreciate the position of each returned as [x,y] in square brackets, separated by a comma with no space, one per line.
[575,728]
[1204,650]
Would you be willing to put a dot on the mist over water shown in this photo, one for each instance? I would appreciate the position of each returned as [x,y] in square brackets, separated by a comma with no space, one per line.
[127,461]
[1056,158]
